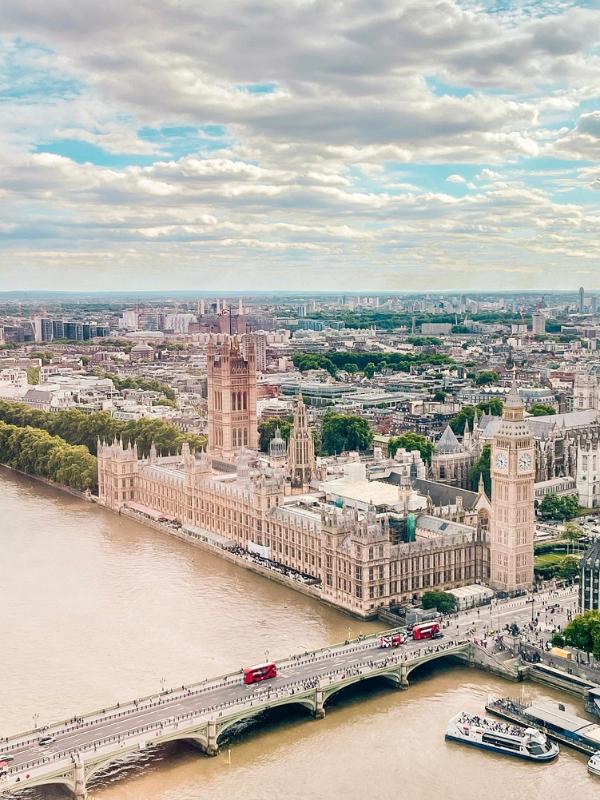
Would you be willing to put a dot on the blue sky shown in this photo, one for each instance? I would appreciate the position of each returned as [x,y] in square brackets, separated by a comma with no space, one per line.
[406,144]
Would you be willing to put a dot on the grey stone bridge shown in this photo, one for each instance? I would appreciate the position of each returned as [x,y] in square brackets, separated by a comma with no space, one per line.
[203,713]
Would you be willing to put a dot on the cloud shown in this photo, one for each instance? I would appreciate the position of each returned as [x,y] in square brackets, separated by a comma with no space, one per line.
[247,138]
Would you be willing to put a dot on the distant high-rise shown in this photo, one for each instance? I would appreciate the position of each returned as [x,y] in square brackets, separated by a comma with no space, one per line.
[538,323]
[581,299]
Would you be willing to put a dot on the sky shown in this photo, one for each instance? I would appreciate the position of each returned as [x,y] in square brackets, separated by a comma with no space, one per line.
[301,144]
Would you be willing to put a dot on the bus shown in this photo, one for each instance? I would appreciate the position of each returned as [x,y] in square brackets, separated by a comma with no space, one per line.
[395,640]
[426,630]
[260,673]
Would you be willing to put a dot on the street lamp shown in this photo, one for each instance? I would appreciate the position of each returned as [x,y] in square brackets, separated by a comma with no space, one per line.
[532,601]
[36,716]
[267,656]
[162,683]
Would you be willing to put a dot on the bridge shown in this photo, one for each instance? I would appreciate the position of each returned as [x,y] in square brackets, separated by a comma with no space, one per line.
[202,713]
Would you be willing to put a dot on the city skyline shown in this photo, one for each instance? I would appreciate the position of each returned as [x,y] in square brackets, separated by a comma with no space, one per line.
[300,147]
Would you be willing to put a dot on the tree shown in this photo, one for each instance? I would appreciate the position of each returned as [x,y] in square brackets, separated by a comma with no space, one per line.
[569,568]
[267,428]
[555,507]
[541,410]
[583,632]
[558,640]
[444,602]
[369,369]
[482,467]
[439,396]
[342,432]
[33,375]
[493,406]
[78,428]
[412,441]
[573,532]
[486,377]
[34,451]
[466,414]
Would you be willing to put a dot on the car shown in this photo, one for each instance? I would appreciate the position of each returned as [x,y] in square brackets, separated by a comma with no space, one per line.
[5,758]
[44,740]
[437,635]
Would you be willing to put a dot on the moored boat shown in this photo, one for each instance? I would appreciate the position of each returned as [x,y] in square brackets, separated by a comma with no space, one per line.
[501,737]
[594,764]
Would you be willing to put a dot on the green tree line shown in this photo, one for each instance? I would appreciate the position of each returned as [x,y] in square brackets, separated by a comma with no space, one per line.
[398,362]
[78,428]
[36,452]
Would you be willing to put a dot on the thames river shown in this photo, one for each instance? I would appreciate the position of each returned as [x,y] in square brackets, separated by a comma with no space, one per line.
[96,609]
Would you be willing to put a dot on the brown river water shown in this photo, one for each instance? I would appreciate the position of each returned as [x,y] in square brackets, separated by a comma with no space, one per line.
[96,609]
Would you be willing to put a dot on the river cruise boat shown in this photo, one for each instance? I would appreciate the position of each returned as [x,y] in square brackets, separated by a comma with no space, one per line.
[501,737]
[594,764]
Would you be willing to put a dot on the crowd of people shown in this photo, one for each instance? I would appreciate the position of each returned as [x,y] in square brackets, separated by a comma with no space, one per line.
[490,724]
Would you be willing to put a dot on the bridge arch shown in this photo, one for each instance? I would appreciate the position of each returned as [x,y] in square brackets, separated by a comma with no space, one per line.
[462,654]
[393,675]
[307,702]
[67,781]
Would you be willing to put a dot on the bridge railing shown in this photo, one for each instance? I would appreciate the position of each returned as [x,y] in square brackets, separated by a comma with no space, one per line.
[297,688]
[173,695]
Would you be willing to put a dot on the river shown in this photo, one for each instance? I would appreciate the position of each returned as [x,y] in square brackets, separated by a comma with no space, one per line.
[96,609]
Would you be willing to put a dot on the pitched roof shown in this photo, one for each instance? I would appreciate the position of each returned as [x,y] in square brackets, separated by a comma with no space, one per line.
[448,443]
[442,494]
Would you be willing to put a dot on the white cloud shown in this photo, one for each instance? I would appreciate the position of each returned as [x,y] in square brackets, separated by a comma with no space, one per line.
[324,165]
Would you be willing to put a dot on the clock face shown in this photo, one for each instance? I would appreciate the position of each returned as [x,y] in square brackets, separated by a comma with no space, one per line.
[524,462]
[501,461]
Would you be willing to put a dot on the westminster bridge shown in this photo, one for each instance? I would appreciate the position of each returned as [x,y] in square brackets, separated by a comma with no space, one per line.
[203,713]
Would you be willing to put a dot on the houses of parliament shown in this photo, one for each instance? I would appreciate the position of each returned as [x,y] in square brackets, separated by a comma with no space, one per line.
[382,544]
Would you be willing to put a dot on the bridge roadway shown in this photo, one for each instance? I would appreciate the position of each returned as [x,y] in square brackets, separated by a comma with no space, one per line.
[203,712]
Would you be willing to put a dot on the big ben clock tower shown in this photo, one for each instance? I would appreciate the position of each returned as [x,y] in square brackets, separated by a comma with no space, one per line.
[512,526]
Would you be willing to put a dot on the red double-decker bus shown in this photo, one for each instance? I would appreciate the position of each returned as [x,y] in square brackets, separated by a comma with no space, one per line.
[393,640]
[260,673]
[426,630]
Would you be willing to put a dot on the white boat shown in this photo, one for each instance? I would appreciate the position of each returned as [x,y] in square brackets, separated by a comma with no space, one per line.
[594,764]
[501,737]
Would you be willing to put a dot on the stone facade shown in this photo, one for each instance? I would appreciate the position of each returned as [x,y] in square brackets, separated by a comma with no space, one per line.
[362,560]
[588,472]
[557,438]
[430,536]
[301,449]
[452,460]
[513,517]
[232,423]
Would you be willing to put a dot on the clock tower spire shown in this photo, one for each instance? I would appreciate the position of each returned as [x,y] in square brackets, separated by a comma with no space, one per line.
[512,525]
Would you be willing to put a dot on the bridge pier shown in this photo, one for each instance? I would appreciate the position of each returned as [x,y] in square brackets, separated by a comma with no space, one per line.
[403,676]
[212,748]
[319,711]
[79,783]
